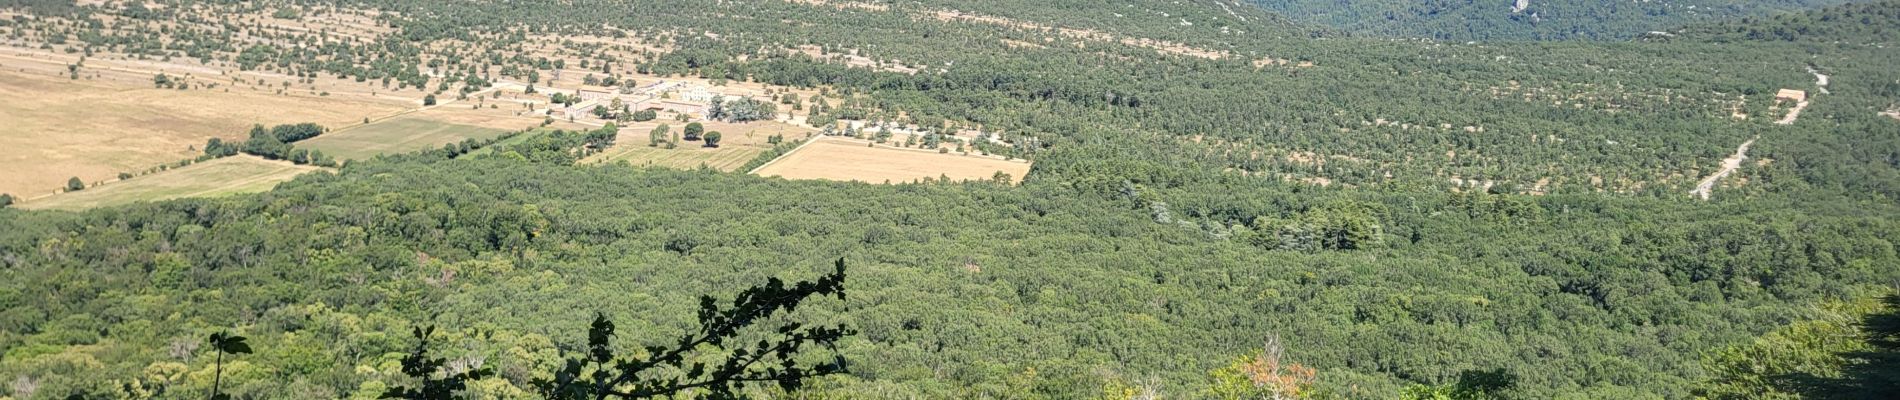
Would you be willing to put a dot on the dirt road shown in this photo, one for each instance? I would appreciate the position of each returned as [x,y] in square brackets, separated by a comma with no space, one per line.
[1729,166]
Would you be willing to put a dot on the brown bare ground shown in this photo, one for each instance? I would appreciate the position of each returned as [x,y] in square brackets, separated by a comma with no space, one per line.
[57,128]
[853,160]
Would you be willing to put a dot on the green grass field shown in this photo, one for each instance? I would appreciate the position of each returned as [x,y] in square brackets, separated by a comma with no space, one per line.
[691,156]
[220,177]
[399,135]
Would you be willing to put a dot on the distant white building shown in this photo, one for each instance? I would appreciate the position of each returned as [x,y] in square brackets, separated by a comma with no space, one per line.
[697,94]
[585,94]
[1792,95]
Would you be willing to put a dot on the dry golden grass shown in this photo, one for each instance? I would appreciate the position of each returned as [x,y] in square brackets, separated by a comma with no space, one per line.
[853,160]
[220,177]
[59,128]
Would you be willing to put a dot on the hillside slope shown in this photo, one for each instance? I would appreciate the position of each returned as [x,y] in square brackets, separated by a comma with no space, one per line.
[1494,20]
[1874,24]
[1396,212]
[960,291]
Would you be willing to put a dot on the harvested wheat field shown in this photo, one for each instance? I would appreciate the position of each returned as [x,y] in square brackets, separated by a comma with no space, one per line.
[852,160]
[59,128]
[219,177]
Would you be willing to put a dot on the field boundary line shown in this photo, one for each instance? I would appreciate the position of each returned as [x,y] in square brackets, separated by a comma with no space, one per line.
[808,142]
[934,151]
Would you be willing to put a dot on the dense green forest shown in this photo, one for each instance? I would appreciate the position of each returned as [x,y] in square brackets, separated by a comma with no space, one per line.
[1869,23]
[1494,20]
[960,290]
[1170,226]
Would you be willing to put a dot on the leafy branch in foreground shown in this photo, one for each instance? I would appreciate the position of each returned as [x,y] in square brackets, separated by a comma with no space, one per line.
[436,383]
[224,344]
[711,359]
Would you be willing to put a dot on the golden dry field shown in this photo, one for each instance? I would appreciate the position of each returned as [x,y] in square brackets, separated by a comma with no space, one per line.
[58,128]
[854,160]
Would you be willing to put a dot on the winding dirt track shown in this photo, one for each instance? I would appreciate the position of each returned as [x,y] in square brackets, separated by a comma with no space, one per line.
[1728,167]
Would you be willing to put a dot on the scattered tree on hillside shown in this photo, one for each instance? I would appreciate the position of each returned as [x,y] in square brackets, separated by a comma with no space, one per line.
[74,184]
[428,100]
[658,135]
[693,130]
[1342,225]
[748,109]
[317,158]
[216,147]
[288,133]
[712,139]
[267,146]
[741,110]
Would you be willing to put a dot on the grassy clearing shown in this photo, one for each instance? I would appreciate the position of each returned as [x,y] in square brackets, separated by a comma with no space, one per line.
[741,143]
[399,135]
[723,159]
[854,160]
[220,177]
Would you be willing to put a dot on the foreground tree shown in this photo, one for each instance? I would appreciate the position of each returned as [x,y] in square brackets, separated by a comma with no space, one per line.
[712,139]
[224,344]
[710,363]
[1489,384]
[433,382]
[1846,349]
[1266,374]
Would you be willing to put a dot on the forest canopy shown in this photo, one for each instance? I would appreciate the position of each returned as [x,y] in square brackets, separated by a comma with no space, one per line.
[1223,202]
